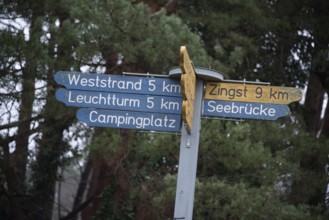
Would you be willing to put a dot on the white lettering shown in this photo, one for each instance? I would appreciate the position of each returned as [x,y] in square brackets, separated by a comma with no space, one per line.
[235,109]
[263,111]
[254,111]
[91,118]
[79,99]
[172,123]
[74,78]
[69,98]
[212,108]
[107,82]
[240,109]
[171,88]
[143,122]
[227,108]
[271,111]
[103,99]
[83,82]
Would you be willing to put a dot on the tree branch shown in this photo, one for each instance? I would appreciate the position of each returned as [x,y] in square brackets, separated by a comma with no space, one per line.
[81,207]
[16,123]
[171,6]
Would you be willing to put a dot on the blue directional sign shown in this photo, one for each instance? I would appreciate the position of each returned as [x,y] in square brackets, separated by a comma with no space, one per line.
[120,101]
[129,119]
[247,110]
[119,84]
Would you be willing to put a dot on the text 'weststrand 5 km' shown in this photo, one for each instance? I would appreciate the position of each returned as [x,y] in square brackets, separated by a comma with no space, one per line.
[119,83]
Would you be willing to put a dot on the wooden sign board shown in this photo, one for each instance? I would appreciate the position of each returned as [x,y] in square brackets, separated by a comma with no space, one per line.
[252,93]
[188,85]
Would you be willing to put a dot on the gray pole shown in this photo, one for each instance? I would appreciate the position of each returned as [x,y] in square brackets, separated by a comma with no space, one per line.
[188,158]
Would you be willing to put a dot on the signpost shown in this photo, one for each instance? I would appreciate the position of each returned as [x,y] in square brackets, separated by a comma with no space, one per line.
[192,91]
[252,93]
[188,83]
[157,104]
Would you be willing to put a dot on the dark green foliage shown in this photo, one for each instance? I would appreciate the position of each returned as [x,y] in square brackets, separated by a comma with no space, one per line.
[230,33]
[119,27]
[254,173]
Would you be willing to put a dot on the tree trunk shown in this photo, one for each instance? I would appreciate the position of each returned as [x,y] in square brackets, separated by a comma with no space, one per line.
[57,118]
[107,173]
[313,104]
[82,188]
[17,162]
[21,151]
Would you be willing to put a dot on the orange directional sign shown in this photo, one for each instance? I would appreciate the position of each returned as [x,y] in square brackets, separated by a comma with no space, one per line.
[252,93]
[188,82]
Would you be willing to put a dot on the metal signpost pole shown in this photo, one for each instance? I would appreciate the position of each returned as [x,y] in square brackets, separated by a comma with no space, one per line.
[188,157]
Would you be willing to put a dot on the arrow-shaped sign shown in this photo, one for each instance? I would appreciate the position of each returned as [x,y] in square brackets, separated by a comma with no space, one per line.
[129,119]
[120,101]
[252,93]
[188,84]
[245,110]
[119,83]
